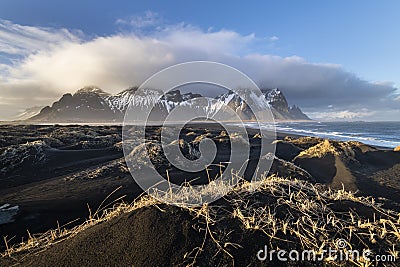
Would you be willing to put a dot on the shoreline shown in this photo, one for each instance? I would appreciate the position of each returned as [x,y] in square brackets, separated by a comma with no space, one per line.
[280,126]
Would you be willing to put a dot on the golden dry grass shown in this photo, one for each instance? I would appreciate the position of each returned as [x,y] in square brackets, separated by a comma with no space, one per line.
[322,147]
[310,224]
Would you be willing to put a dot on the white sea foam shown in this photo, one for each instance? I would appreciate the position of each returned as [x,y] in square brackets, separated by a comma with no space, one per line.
[8,213]
[364,133]
[342,136]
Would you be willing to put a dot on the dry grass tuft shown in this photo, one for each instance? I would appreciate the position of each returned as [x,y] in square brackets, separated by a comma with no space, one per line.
[290,213]
[319,150]
[40,242]
[346,150]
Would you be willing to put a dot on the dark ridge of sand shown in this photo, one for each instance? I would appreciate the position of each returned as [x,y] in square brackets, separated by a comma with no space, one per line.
[350,165]
[287,151]
[331,170]
[288,169]
[147,237]
[323,169]
[85,164]
[165,235]
[343,178]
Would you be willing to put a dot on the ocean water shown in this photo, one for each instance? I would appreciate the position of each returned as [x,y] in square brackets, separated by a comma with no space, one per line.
[7,213]
[384,134]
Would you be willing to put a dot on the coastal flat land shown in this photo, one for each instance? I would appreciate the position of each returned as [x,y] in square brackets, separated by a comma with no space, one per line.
[61,175]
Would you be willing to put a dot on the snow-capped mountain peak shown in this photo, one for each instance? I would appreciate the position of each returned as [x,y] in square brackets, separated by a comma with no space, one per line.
[93,104]
[91,90]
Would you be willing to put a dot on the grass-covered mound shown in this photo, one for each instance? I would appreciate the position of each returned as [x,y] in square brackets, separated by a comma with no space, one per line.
[276,212]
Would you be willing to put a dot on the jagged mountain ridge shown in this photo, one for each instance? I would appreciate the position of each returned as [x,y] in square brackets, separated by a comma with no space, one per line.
[92,104]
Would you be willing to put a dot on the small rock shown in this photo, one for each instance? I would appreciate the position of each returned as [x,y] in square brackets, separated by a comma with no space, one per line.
[397,149]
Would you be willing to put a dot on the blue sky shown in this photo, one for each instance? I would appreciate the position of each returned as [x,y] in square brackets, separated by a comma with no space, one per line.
[362,38]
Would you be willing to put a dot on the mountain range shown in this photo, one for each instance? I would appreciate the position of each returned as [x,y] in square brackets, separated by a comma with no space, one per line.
[92,104]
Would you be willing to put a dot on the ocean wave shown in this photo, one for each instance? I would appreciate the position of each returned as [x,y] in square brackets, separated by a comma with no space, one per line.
[385,138]
[343,136]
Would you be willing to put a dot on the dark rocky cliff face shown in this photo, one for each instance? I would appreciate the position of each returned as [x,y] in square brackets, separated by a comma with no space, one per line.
[296,112]
[84,105]
[281,108]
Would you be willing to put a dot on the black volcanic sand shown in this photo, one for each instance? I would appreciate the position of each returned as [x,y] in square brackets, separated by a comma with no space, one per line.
[45,171]
[166,235]
[54,172]
[150,237]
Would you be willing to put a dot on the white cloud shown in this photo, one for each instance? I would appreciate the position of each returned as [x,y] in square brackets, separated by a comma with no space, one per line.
[57,61]
[23,40]
[274,38]
[341,115]
[122,60]
[139,22]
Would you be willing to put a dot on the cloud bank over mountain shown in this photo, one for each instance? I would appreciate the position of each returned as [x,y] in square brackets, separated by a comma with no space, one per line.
[38,64]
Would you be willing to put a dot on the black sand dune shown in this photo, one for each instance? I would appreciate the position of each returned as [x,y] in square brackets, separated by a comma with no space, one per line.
[220,235]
